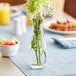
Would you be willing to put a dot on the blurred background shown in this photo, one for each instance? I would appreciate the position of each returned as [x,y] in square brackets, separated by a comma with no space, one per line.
[69,6]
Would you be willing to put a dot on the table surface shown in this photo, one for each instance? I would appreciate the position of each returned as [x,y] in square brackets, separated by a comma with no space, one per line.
[7,68]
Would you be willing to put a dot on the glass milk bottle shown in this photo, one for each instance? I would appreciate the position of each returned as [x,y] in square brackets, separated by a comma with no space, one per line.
[4,13]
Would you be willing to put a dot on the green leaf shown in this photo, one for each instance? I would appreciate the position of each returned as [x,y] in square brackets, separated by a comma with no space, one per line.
[34,7]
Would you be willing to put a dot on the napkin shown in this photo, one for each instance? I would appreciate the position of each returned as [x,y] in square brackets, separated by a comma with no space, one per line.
[65,43]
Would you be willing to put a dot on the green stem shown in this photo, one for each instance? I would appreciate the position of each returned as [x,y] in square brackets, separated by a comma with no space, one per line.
[36,43]
[37,58]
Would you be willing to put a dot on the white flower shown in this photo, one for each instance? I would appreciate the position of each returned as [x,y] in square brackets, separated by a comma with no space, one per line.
[42,7]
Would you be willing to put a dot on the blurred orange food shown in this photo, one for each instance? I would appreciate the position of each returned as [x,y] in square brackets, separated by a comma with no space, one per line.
[63,26]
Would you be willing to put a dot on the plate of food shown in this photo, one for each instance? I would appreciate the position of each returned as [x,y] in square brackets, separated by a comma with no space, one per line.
[15,11]
[61,27]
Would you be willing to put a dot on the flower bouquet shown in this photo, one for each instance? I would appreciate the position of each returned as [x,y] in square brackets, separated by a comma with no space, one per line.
[38,9]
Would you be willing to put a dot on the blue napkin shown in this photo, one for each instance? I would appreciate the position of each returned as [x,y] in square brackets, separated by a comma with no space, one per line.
[67,44]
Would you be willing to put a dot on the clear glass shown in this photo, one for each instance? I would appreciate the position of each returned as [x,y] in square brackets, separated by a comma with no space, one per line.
[4,13]
[37,53]
[29,20]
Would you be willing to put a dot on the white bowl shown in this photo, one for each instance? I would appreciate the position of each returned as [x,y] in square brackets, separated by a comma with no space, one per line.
[9,50]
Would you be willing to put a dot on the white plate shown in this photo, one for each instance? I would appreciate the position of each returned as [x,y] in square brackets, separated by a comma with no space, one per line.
[18,11]
[47,24]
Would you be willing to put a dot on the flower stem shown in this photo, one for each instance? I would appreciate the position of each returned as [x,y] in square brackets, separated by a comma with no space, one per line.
[36,43]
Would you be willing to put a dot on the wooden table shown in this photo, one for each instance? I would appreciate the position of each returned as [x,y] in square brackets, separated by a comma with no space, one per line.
[7,68]
[14,2]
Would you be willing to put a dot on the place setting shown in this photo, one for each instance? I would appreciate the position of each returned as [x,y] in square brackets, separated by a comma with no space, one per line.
[32,42]
[61,27]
